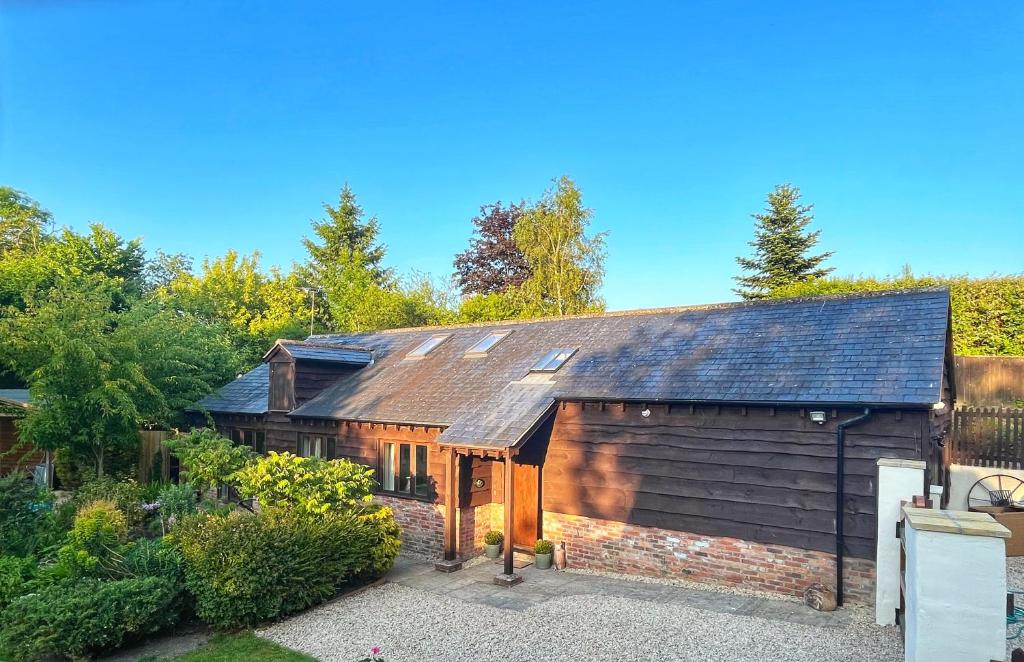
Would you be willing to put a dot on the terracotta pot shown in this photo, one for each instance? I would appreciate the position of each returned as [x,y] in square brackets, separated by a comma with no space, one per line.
[492,551]
[560,557]
[542,561]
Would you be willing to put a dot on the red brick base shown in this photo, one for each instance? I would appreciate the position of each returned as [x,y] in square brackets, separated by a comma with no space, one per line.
[624,548]
[474,523]
[422,525]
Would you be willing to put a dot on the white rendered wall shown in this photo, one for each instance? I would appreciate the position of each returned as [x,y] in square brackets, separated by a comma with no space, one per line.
[956,597]
[898,480]
[962,477]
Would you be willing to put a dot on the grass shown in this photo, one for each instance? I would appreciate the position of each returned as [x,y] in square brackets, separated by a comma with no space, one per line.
[242,646]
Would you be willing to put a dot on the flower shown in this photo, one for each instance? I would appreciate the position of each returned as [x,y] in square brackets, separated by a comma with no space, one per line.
[375,650]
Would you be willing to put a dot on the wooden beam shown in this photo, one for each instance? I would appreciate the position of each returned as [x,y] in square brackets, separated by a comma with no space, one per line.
[451,496]
[509,506]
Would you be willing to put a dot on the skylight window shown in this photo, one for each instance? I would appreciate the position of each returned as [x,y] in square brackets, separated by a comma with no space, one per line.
[427,346]
[487,343]
[553,360]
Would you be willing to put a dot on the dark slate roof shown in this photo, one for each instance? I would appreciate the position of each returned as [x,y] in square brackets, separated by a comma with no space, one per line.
[308,351]
[246,395]
[503,419]
[15,396]
[879,349]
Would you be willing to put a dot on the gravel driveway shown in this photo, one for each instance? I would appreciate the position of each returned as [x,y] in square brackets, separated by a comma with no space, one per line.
[414,624]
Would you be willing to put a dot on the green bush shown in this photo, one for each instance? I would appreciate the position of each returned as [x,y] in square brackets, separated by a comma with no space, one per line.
[126,494]
[244,569]
[177,501]
[25,517]
[543,547]
[153,558]
[494,538]
[209,459]
[87,616]
[15,572]
[306,485]
[94,542]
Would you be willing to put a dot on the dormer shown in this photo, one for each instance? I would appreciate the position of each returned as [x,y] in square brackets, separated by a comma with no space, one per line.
[300,370]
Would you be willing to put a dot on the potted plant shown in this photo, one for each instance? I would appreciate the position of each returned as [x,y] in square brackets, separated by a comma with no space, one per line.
[492,543]
[543,550]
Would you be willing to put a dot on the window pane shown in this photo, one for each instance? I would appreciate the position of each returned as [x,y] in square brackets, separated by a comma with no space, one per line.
[427,346]
[404,477]
[488,341]
[305,446]
[318,446]
[261,442]
[421,470]
[387,468]
[236,435]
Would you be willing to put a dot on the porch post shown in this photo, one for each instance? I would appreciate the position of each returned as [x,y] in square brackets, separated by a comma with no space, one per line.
[451,498]
[508,576]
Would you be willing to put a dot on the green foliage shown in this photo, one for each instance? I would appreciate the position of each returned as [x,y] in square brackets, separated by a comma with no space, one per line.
[566,266]
[492,307]
[25,517]
[988,313]
[208,458]
[126,495]
[15,573]
[152,558]
[24,225]
[543,547]
[781,243]
[306,485]
[242,646]
[177,501]
[494,538]
[94,541]
[244,569]
[84,617]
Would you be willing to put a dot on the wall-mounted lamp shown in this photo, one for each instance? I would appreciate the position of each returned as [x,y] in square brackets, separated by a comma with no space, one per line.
[818,417]
[646,412]
[938,406]
[478,483]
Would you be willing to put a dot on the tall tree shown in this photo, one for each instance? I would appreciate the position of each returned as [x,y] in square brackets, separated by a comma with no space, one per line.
[345,260]
[781,245]
[566,265]
[24,225]
[493,263]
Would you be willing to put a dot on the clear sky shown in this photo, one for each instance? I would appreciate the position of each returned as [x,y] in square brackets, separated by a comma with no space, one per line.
[206,125]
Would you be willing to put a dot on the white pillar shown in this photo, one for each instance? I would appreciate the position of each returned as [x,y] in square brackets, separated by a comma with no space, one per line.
[898,480]
[955,579]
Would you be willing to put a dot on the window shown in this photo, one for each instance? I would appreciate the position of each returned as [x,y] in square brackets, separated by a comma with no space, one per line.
[316,445]
[427,346]
[403,469]
[254,439]
[553,360]
[486,343]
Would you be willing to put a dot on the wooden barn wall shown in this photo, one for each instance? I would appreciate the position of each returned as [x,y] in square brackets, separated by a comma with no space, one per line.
[312,377]
[759,474]
[12,453]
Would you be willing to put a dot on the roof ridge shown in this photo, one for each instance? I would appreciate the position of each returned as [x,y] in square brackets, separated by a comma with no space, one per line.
[637,312]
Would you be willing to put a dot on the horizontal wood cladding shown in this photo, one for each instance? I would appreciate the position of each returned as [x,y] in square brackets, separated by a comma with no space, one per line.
[312,377]
[756,473]
[14,453]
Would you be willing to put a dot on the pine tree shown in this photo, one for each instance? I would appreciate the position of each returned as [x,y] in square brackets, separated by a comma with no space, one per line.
[781,243]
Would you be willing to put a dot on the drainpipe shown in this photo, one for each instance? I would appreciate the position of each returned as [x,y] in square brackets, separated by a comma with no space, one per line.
[840,493]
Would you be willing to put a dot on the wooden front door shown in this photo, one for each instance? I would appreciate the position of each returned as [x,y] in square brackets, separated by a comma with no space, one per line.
[526,519]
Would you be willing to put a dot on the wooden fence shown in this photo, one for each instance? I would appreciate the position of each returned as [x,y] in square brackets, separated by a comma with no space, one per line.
[154,458]
[987,437]
[990,381]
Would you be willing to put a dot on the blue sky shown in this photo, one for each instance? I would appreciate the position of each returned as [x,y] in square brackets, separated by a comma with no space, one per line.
[202,126]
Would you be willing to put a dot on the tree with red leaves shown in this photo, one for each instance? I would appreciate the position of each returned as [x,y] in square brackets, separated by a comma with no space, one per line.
[493,263]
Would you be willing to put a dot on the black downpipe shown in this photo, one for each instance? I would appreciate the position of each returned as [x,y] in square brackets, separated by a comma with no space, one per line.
[840,493]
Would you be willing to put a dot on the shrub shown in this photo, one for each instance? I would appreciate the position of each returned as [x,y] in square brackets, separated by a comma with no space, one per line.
[87,616]
[494,538]
[177,501]
[99,531]
[25,518]
[244,569]
[126,495]
[15,572]
[543,547]
[208,458]
[306,485]
[153,558]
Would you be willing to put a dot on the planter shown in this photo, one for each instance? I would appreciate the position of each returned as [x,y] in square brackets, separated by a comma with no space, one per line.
[492,551]
[542,561]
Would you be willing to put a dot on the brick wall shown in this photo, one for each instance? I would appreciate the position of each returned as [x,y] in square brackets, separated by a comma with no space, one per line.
[422,525]
[624,548]
[474,523]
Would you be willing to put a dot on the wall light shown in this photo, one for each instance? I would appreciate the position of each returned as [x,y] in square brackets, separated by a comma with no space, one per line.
[479,482]
[646,412]
[938,406]
[818,417]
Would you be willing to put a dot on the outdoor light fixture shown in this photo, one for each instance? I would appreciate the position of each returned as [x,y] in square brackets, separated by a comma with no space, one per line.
[479,482]
[646,412]
[818,417]
[939,406]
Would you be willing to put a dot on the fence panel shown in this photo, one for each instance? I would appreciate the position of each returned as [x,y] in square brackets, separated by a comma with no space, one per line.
[987,437]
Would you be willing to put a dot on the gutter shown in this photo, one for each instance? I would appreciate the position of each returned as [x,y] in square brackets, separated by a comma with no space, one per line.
[840,494]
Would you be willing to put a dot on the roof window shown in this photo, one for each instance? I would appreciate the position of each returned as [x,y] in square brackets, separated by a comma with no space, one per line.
[553,360]
[487,343]
[427,346]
